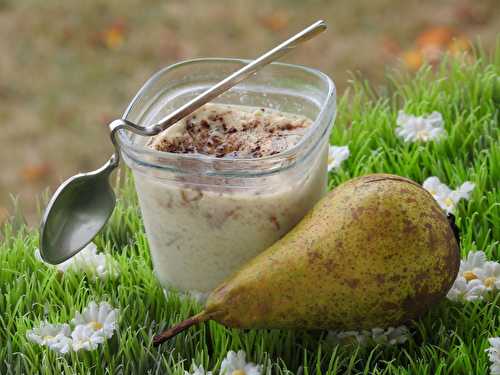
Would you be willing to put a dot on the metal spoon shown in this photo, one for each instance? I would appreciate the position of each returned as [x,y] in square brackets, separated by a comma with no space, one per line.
[82,205]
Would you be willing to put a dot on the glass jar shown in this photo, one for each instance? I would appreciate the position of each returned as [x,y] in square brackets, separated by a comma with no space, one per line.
[206,216]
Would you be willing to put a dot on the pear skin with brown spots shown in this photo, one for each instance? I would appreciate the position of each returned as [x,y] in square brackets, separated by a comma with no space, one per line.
[377,251]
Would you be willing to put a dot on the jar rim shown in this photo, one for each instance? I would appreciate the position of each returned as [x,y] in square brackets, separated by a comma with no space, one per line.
[143,155]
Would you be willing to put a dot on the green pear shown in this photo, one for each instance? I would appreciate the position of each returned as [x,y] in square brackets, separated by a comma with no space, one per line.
[376,251]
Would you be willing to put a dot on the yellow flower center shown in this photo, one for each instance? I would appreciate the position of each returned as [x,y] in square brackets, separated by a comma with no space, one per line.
[490,282]
[423,134]
[238,372]
[95,325]
[48,337]
[448,202]
[469,275]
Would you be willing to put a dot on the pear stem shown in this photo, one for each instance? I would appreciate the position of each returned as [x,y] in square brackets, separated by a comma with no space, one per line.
[178,328]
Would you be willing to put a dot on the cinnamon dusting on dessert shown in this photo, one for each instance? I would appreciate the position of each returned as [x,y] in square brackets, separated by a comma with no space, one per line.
[228,131]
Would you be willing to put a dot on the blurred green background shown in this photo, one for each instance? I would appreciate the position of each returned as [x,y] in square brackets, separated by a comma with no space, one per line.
[67,68]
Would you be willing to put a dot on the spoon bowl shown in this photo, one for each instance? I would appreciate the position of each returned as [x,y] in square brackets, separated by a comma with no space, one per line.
[80,207]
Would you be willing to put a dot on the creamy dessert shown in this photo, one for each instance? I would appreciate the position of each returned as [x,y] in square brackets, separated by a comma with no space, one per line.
[233,132]
[200,233]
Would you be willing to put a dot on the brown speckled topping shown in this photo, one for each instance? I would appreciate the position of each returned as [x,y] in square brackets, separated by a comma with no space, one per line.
[233,132]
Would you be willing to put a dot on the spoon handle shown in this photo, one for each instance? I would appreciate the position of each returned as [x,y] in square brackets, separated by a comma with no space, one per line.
[238,76]
[214,91]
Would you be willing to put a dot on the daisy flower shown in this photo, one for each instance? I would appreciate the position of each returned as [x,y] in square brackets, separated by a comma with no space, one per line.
[54,336]
[89,261]
[474,260]
[337,155]
[198,370]
[462,290]
[489,274]
[434,186]
[494,355]
[84,337]
[100,319]
[236,364]
[62,345]
[444,196]
[420,128]
[391,335]
[98,265]
[463,192]
[349,337]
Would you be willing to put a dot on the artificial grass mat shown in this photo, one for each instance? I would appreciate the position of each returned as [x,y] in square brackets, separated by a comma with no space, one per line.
[449,339]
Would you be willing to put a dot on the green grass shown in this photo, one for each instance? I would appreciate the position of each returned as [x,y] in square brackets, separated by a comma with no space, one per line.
[449,339]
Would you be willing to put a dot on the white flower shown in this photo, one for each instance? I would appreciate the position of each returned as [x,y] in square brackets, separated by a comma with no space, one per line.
[494,355]
[100,319]
[420,128]
[92,327]
[336,155]
[434,186]
[476,277]
[88,261]
[489,274]
[444,196]
[84,337]
[62,345]
[236,364]
[55,336]
[97,265]
[349,337]
[462,290]
[463,191]
[474,260]
[198,370]
[389,336]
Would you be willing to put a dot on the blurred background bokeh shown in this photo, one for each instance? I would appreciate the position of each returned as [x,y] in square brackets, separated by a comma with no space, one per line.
[69,67]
